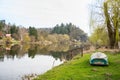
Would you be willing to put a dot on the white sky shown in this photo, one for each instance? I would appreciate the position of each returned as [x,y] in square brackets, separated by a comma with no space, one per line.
[46,13]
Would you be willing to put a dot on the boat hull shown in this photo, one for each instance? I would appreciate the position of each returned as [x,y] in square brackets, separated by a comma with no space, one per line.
[98,58]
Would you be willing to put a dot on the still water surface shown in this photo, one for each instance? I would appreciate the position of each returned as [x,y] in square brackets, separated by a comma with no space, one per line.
[29,59]
[14,69]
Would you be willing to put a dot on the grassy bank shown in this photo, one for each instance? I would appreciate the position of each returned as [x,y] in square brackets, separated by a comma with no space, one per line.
[80,69]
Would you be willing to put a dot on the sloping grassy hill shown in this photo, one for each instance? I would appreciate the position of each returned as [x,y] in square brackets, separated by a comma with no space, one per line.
[80,69]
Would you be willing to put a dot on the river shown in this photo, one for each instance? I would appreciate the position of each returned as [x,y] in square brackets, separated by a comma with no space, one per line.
[19,60]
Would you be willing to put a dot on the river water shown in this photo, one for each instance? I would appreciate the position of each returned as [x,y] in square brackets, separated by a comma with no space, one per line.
[19,60]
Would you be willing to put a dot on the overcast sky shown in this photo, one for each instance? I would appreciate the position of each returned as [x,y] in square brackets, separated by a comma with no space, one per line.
[46,13]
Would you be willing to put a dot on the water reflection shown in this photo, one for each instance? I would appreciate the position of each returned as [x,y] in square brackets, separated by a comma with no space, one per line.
[27,59]
[57,51]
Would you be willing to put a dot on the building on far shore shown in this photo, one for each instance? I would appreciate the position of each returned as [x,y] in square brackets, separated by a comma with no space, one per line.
[8,35]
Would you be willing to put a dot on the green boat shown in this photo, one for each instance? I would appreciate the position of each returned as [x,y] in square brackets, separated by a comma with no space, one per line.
[99,58]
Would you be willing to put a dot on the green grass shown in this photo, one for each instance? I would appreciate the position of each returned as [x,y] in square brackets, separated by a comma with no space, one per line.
[80,69]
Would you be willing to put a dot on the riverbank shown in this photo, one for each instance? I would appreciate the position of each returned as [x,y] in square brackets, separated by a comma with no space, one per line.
[80,69]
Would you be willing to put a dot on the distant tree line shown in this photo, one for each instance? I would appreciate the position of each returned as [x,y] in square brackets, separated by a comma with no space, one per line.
[70,29]
[59,34]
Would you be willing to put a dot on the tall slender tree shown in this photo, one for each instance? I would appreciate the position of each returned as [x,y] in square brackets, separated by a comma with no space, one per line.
[112,16]
[109,12]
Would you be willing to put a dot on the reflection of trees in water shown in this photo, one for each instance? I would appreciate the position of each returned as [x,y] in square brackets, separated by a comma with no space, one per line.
[58,47]
[10,51]
[57,55]
[13,51]
[24,48]
[57,51]
[68,55]
[73,52]
[62,55]
[32,51]
[2,51]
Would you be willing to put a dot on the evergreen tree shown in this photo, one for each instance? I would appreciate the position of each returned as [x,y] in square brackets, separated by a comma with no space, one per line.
[33,32]
[70,29]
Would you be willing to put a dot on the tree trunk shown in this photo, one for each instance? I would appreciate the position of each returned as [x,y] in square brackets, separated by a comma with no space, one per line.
[111,32]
